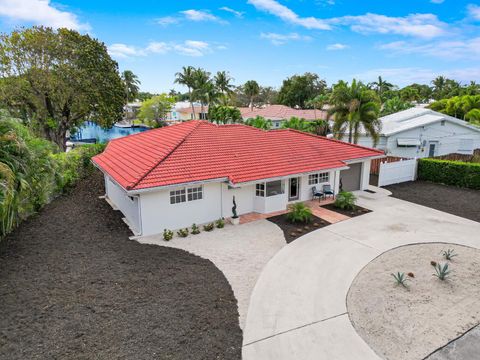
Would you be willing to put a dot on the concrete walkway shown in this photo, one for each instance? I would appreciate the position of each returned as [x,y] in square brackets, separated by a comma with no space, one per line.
[298,308]
[240,252]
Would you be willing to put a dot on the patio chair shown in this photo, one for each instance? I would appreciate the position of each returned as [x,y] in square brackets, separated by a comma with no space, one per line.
[316,193]
[327,190]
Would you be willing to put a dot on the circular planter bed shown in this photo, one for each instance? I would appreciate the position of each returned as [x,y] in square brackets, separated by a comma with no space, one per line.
[414,321]
[294,231]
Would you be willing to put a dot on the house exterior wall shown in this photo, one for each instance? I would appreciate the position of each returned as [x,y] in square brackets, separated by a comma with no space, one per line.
[450,138]
[129,206]
[244,197]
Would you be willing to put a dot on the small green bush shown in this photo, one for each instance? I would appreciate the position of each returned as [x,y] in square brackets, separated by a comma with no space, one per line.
[457,173]
[209,227]
[442,271]
[400,278]
[299,213]
[167,235]
[220,223]
[195,229]
[183,232]
[345,201]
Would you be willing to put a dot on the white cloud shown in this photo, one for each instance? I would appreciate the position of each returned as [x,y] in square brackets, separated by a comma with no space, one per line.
[194,48]
[337,46]
[40,12]
[199,15]
[280,39]
[445,49]
[167,20]
[275,8]
[474,11]
[238,14]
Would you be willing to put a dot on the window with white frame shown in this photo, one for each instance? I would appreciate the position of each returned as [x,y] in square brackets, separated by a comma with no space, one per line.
[195,193]
[318,178]
[177,196]
[274,188]
[260,189]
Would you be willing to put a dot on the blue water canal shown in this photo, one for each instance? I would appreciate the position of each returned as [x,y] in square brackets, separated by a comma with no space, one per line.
[91,131]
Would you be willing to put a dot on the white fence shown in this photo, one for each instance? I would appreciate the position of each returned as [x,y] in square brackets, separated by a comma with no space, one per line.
[397,172]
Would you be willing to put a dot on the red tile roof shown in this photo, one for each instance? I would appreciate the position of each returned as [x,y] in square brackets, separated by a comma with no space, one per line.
[198,151]
[282,112]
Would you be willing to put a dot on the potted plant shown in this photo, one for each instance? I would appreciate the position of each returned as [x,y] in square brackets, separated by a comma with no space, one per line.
[235,220]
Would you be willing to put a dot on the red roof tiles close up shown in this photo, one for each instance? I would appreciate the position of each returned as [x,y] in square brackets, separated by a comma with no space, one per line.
[198,151]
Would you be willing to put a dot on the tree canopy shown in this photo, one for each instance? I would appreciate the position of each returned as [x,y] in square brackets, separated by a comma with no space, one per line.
[55,80]
[224,114]
[298,89]
[154,110]
[131,84]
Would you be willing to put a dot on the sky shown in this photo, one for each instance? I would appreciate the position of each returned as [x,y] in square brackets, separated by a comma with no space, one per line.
[404,41]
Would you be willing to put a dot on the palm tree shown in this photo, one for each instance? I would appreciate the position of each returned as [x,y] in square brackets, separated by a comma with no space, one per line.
[251,89]
[381,86]
[186,78]
[259,122]
[297,124]
[203,88]
[355,106]
[439,84]
[223,84]
[319,127]
[131,83]
[318,102]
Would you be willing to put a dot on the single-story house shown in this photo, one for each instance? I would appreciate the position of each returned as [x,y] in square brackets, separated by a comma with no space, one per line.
[182,111]
[171,177]
[420,132]
[279,113]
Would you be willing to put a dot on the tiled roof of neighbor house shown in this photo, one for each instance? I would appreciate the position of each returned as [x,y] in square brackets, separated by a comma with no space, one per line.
[198,150]
[282,112]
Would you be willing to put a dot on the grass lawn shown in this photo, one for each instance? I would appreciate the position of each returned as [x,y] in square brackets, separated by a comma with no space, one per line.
[73,286]
[450,199]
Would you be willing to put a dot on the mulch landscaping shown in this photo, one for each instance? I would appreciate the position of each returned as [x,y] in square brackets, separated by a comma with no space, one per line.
[450,199]
[350,213]
[73,286]
[294,231]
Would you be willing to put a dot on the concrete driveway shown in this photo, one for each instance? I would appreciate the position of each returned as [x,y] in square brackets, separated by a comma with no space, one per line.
[298,306]
[240,252]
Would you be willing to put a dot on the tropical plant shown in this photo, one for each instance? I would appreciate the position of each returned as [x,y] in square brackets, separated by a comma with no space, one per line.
[400,278]
[131,84]
[259,122]
[56,79]
[251,89]
[449,254]
[223,84]
[297,124]
[355,107]
[299,213]
[220,223]
[167,235]
[209,227]
[203,88]
[195,229]
[319,127]
[381,86]
[183,232]
[187,78]
[318,102]
[442,271]
[395,105]
[297,90]
[153,111]
[345,200]
[224,114]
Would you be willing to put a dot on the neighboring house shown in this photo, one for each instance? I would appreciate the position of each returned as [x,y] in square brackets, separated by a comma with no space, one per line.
[182,111]
[419,132]
[171,177]
[279,113]
[132,109]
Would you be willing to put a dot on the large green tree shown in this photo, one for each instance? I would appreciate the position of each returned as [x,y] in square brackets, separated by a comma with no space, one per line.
[224,114]
[394,105]
[154,110]
[355,106]
[381,86]
[131,84]
[56,79]
[187,78]
[251,89]
[223,84]
[298,89]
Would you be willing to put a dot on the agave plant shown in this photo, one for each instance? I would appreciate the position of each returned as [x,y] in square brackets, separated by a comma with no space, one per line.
[442,271]
[449,254]
[400,278]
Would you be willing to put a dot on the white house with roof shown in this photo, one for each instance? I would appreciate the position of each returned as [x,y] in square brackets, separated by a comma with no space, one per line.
[420,132]
[171,177]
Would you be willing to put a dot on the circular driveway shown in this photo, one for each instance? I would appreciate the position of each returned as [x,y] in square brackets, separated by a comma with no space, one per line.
[298,306]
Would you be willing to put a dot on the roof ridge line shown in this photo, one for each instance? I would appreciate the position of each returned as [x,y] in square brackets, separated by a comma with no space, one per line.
[197,124]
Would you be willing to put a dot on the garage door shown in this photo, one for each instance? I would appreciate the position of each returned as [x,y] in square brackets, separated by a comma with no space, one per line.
[350,179]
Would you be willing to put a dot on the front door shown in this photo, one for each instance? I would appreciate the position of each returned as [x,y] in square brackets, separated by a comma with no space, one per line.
[431,149]
[293,189]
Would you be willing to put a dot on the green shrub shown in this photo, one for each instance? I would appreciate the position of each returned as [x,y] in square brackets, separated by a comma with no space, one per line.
[345,201]
[209,227]
[299,213]
[457,173]
[442,271]
[183,232]
[220,223]
[400,278]
[195,229]
[167,235]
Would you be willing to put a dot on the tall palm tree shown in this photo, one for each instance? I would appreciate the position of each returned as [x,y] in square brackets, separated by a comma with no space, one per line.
[251,89]
[318,102]
[355,106]
[223,84]
[203,88]
[439,84]
[131,83]
[187,78]
[381,86]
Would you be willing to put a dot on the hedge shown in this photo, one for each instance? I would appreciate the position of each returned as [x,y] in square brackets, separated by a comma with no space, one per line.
[457,173]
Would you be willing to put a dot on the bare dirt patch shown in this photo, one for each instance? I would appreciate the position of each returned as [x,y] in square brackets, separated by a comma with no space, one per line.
[294,231]
[350,213]
[411,323]
[73,286]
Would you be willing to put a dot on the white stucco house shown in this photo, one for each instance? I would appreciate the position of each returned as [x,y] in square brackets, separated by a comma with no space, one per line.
[420,132]
[171,177]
